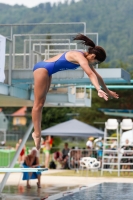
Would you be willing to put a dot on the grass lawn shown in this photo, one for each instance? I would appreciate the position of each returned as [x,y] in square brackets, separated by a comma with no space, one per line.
[29,143]
[89,174]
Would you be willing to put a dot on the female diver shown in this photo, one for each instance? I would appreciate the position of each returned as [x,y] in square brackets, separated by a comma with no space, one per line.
[69,60]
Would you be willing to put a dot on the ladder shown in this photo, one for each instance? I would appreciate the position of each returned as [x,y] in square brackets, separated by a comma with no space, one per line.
[110,157]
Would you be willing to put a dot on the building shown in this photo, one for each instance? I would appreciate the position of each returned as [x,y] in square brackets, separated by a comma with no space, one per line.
[19,117]
[3,126]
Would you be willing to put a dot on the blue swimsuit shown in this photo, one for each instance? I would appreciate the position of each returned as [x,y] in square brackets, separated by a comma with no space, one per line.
[59,65]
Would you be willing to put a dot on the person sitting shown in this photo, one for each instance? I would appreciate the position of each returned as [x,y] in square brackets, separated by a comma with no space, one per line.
[75,158]
[128,160]
[30,161]
[57,156]
[62,157]
[65,152]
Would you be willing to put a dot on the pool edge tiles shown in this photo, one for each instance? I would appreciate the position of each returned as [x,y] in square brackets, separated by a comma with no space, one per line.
[68,193]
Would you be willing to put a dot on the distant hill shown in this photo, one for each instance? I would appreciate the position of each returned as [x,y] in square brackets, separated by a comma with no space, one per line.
[110,18]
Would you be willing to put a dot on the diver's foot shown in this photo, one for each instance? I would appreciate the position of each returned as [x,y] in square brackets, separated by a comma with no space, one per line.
[37,140]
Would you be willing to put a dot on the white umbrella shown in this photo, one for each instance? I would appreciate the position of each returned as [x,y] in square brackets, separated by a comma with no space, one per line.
[127,135]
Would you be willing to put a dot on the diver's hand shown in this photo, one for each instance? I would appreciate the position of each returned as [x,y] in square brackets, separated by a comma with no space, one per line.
[102,94]
[112,94]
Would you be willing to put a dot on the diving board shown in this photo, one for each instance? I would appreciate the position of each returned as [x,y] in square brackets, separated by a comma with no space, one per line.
[23,169]
[21,77]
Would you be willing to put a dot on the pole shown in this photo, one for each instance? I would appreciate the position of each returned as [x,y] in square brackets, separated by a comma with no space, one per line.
[3,182]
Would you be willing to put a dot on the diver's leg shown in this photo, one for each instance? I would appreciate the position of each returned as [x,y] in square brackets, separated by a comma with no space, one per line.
[41,84]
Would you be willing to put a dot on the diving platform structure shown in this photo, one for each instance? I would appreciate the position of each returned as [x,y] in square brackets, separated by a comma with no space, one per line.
[21,51]
[65,88]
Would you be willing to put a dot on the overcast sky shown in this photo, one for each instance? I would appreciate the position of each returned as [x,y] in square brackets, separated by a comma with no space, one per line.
[28,3]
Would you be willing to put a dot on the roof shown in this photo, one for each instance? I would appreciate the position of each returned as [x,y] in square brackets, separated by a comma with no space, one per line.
[117,112]
[20,112]
[73,127]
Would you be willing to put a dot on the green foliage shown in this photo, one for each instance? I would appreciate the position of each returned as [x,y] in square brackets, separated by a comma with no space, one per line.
[104,65]
[56,143]
[111,19]
[53,116]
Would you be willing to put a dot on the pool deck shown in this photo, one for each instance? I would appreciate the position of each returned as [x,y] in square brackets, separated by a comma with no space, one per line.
[51,185]
[16,178]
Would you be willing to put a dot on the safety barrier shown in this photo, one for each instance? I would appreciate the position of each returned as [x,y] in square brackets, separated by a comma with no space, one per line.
[79,159]
[6,156]
[76,156]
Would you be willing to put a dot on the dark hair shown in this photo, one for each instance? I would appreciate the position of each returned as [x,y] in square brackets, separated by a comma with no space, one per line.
[93,49]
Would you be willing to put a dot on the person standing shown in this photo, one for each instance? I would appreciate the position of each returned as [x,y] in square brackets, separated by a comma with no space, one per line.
[89,145]
[22,153]
[46,150]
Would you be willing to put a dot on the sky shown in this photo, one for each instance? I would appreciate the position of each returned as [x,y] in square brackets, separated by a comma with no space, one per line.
[28,3]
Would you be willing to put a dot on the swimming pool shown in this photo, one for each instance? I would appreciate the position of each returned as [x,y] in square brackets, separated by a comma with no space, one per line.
[104,191]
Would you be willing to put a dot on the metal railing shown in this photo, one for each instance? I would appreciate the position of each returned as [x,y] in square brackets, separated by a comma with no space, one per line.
[75,156]
[116,161]
[32,40]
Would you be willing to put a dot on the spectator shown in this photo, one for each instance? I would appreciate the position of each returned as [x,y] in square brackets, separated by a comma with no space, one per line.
[98,143]
[22,153]
[46,150]
[58,156]
[32,160]
[65,152]
[51,141]
[128,154]
[89,145]
[72,157]
[76,158]
[113,144]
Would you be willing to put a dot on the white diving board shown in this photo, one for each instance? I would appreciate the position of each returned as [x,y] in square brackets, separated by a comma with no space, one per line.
[23,169]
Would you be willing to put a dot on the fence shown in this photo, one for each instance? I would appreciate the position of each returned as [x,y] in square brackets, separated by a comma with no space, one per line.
[75,156]
[72,161]
[11,137]
[116,160]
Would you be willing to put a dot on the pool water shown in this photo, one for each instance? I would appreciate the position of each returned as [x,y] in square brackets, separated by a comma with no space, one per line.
[20,192]
[104,191]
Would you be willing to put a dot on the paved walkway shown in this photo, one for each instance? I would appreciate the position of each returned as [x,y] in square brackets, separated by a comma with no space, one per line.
[16,178]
